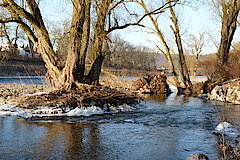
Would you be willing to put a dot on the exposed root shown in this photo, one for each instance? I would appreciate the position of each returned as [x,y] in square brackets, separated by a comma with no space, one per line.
[85,95]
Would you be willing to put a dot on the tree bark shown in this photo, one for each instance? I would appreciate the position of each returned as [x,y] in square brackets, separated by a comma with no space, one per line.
[84,43]
[96,51]
[183,66]
[93,75]
[70,74]
[230,11]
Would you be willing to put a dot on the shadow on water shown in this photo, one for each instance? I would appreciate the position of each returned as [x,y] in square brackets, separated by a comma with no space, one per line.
[163,127]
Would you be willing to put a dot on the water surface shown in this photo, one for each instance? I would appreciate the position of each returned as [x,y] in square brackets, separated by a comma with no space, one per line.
[161,129]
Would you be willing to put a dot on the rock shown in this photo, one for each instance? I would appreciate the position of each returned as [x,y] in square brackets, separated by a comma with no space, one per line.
[153,84]
[197,156]
[227,92]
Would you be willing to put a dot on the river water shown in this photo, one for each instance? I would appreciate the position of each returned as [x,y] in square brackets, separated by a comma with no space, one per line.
[162,128]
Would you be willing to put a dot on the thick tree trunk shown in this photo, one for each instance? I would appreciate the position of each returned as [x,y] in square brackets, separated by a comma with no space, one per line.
[227,33]
[230,11]
[96,52]
[84,43]
[70,74]
[93,75]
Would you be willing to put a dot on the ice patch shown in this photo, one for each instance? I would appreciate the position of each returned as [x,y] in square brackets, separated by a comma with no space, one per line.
[11,109]
[83,111]
[223,126]
[226,128]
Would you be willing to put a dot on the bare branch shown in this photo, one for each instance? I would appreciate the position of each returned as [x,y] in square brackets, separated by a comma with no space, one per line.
[8,20]
[21,11]
[16,18]
[3,5]
[156,11]
[118,3]
[124,26]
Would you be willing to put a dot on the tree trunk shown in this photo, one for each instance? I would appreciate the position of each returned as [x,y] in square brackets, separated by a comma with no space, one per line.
[167,49]
[196,65]
[230,11]
[30,46]
[183,66]
[93,75]
[84,43]
[70,74]
[96,52]
[227,33]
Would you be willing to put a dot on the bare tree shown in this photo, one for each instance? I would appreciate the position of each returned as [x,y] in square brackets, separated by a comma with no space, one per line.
[183,66]
[166,51]
[72,74]
[230,11]
[196,45]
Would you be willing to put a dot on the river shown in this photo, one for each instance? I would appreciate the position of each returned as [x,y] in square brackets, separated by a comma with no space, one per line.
[162,128]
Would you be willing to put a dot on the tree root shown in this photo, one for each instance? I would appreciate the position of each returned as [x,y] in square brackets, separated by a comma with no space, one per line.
[84,95]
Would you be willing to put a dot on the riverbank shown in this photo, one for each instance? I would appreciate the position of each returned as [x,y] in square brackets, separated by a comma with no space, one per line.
[23,66]
[9,91]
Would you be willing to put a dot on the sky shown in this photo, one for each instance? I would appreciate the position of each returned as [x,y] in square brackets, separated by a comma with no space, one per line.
[193,20]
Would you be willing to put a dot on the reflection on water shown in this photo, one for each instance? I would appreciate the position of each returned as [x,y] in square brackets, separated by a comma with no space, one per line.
[168,129]
[156,98]
[71,141]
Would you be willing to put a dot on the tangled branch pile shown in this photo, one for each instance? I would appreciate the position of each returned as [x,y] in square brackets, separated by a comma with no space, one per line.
[86,96]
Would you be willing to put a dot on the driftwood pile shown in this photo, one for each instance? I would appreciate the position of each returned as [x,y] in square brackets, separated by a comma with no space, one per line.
[86,96]
[156,84]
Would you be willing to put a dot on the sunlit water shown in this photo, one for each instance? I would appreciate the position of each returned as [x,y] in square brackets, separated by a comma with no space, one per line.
[161,129]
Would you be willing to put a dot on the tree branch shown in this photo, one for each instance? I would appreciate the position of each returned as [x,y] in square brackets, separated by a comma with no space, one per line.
[8,20]
[156,11]
[16,18]
[118,3]
[124,26]
[21,11]
[3,5]
[34,9]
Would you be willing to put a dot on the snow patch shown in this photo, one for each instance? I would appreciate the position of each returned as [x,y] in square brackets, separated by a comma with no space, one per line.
[11,109]
[173,89]
[83,111]
[36,94]
[223,126]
